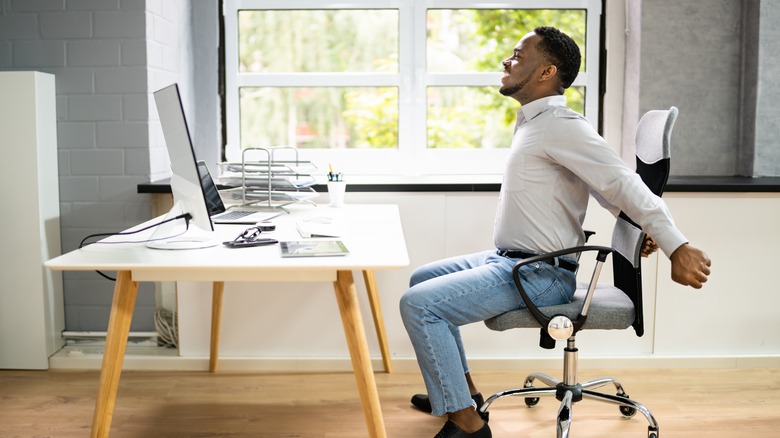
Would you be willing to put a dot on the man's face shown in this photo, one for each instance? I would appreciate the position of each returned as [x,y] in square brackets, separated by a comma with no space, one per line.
[520,68]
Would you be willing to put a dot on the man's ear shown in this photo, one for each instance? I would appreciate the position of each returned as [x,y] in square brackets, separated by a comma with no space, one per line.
[548,72]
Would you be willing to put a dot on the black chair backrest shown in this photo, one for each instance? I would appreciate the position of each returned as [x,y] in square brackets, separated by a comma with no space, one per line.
[653,152]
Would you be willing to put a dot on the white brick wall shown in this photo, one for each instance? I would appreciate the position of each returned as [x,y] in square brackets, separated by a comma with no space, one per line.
[65,25]
[76,135]
[108,56]
[32,54]
[167,24]
[97,51]
[94,53]
[120,24]
[93,107]
[19,26]
[5,54]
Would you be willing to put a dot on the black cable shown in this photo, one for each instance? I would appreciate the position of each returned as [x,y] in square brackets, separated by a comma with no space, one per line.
[186,216]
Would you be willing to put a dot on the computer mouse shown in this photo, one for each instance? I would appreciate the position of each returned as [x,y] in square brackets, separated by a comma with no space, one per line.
[265,226]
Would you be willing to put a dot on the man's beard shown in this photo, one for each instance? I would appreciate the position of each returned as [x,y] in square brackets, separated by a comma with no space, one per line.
[511,90]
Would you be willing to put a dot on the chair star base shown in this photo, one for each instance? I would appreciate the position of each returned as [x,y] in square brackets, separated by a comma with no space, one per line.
[570,391]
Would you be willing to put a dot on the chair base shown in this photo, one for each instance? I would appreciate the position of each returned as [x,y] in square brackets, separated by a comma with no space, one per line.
[570,394]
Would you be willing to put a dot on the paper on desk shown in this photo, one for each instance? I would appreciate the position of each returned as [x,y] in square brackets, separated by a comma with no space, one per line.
[313,227]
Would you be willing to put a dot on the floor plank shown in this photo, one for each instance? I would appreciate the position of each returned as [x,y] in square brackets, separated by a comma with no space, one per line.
[716,403]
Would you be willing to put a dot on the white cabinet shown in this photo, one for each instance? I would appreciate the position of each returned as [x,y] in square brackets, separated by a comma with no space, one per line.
[31,302]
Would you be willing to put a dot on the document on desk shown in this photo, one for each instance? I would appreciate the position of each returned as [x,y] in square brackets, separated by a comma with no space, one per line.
[319,227]
[313,248]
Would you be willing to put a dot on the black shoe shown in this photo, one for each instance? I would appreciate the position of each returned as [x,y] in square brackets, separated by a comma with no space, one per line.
[423,403]
[451,430]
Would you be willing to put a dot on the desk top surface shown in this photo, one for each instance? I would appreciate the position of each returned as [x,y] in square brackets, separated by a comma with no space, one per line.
[372,234]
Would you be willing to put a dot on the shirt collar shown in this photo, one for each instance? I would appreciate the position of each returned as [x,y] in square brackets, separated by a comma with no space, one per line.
[538,106]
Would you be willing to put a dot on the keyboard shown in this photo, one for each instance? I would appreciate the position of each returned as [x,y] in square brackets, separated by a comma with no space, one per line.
[235,214]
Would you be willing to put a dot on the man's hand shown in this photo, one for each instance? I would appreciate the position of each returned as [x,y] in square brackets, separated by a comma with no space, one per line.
[649,246]
[690,266]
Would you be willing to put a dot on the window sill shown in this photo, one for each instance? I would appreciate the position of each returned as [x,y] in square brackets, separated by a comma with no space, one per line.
[490,183]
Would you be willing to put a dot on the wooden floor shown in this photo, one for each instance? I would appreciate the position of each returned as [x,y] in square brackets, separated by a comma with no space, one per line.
[713,403]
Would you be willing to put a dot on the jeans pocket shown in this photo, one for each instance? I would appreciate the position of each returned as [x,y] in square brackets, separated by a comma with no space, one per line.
[546,285]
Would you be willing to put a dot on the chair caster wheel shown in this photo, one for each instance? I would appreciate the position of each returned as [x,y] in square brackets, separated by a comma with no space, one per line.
[531,401]
[627,411]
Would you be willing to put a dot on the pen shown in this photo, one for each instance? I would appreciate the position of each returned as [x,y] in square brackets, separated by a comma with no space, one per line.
[333,176]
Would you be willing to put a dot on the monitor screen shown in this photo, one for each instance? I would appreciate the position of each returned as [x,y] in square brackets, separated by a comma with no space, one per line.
[187,191]
[213,200]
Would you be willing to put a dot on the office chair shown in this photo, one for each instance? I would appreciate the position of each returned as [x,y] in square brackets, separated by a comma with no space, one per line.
[596,306]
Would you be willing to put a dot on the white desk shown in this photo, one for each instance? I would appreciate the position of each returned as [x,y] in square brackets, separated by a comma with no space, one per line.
[373,236]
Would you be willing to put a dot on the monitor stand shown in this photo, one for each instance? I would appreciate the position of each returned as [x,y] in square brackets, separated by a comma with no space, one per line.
[175,235]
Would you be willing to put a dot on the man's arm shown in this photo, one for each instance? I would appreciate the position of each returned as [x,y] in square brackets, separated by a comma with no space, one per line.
[577,146]
[690,266]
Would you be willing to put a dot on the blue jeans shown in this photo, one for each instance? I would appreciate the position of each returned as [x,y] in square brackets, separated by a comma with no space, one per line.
[447,294]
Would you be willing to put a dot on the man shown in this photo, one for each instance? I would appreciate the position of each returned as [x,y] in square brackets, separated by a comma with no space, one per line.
[555,161]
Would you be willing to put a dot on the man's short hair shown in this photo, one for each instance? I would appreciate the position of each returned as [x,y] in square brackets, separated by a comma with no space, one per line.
[561,51]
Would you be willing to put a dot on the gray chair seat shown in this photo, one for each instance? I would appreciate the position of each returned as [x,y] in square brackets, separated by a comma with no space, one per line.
[610,309]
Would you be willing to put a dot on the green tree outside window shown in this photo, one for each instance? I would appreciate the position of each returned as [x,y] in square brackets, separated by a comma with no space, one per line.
[366,41]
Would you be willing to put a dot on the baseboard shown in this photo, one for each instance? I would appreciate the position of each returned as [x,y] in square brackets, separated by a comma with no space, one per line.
[633,362]
[166,359]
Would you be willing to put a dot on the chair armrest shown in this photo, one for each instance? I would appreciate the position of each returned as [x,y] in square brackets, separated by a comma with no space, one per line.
[544,320]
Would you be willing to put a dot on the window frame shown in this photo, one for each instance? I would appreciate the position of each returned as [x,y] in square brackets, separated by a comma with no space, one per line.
[412,158]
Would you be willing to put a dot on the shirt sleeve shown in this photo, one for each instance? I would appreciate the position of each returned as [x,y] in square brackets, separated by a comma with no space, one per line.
[603,202]
[574,144]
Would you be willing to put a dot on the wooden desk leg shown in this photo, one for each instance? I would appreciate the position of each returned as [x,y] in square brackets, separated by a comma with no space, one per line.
[216,322]
[379,320]
[358,350]
[122,307]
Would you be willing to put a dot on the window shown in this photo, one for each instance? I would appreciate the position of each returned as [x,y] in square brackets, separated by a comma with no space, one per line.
[388,87]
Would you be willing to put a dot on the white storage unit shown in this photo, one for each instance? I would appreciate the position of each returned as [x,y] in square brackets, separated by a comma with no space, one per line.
[31,302]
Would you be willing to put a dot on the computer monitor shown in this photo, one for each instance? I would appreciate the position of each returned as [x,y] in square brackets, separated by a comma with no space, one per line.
[187,191]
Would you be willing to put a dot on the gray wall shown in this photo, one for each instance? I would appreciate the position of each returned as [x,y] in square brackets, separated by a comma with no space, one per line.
[97,51]
[108,56]
[700,55]
[767,151]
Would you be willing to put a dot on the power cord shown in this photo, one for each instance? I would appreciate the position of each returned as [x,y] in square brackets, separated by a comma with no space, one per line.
[165,324]
[186,216]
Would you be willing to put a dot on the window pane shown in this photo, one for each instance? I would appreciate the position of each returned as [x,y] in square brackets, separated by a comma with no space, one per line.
[467,118]
[318,41]
[477,117]
[575,98]
[321,117]
[477,40]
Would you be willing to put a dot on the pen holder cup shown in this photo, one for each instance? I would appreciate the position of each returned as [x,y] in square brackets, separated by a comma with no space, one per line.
[336,190]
